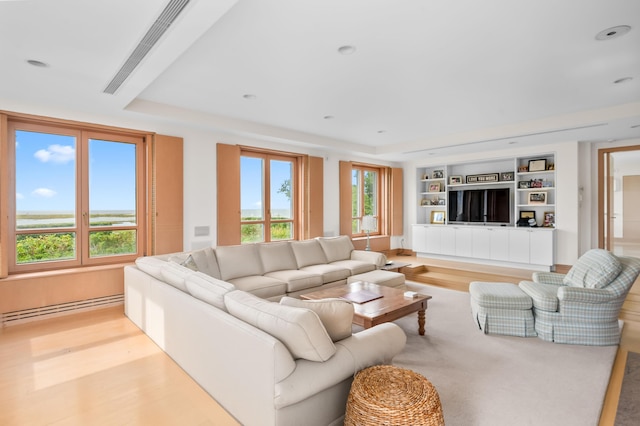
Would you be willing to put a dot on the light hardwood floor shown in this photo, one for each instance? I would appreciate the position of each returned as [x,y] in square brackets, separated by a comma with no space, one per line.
[98,368]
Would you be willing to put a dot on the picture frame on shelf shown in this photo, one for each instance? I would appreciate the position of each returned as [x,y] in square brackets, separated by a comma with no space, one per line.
[523,169]
[538,165]
[523,184]
[434,187]
[438,174]
[425,202]
[506,176]
[455,180]
[549,220]
[537,198]
[437,216]
[527,214]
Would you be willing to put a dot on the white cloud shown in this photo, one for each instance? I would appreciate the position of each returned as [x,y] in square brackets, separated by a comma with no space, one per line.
[44,192]
[19,196]
[56,154]
[258,204]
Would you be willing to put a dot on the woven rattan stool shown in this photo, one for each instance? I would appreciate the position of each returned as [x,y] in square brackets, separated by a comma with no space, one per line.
[388,395]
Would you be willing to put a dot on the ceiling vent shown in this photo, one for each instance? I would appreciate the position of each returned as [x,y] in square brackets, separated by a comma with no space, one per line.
[164,21]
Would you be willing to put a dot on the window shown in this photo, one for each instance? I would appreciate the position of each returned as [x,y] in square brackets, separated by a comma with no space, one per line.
[77,197]
[365,198]
[268,197]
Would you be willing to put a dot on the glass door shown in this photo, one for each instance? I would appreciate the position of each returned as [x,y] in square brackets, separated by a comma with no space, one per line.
[619,200]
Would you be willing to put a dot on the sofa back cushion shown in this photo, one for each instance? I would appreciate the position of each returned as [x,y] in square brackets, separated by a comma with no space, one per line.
[277,257]
[299,329]
[308,252]
[205,261]
[238,261]
[597,268]
[151,265]
[336,314]
[208,289]
[174,274]
[336,248]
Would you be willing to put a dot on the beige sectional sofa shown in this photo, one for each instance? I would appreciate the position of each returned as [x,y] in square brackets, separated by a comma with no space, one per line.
[216,312]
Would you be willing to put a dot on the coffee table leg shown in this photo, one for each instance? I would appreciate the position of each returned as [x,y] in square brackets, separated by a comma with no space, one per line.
[421,322]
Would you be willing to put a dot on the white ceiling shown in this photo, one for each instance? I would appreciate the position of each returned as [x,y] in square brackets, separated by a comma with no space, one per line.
[436,76]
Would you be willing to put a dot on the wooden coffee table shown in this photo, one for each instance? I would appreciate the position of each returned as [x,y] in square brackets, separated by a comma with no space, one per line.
[391,306]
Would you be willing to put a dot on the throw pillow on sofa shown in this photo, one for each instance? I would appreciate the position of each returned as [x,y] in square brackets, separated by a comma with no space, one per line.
[597,268]
[299,329]
[336,248]
[336,314]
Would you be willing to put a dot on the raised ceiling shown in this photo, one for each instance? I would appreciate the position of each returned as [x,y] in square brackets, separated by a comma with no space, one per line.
[425,77]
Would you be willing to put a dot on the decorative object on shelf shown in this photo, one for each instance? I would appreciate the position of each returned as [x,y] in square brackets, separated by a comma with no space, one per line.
[537,165]
[523,169]
[535,183]
[455,180]
[437,217]
[438,174]
[551,166]
[434,187]
[525,216]
[425,202]
[441,202]
[547,184]
[489,177]
[425,176]
[506,176]
[369,224]
[523,184]
[537,198]
[549,220]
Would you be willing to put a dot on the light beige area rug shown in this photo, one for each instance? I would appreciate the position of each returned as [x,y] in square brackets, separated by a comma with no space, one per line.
[502,380]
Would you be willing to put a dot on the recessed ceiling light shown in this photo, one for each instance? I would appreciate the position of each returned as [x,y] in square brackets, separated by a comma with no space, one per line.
[513,142]
[250,97]
[328,117]
[382,131]
[37,63]
[635,126]
[623,80]
[613,32]
[346,50]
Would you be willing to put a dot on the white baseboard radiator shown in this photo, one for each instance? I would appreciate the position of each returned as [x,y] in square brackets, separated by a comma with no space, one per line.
[51,311]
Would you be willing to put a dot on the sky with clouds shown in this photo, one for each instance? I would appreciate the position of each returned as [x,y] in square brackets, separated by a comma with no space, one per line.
[251,183]
[46,173]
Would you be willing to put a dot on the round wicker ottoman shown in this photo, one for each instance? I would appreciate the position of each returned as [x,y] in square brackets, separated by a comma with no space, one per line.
[388,395]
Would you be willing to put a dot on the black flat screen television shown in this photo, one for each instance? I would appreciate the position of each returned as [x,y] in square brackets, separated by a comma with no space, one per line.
[480,206]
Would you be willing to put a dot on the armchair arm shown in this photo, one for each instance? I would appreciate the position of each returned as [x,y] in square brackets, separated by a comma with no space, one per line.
[548,278]
[374,257]
[584,295]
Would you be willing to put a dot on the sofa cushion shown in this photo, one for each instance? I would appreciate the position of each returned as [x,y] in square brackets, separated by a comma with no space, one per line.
[205,260]
[208,289]
[151,265]
[173,273]
[296,280]
[329,273]
[238,261]
[261,286]
[277,257]
[299,329]
[308,252]
[597,268]
[336,314]
[355,266]
[336,248]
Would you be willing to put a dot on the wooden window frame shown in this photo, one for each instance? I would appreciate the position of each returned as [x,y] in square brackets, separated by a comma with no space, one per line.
[379,214]
[83,132]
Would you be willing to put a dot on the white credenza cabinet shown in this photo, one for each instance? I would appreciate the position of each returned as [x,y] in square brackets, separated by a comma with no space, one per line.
[501,245]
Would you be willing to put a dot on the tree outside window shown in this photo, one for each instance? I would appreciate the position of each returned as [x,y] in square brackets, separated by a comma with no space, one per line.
[365,196]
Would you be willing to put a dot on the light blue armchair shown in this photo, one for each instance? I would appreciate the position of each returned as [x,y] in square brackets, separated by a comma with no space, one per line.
[582,307]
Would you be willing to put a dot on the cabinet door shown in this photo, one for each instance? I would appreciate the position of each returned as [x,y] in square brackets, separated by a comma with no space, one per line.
[464,240]
[499,244]
[448,241]
[541,248]
[419,238]
[481,243]
[519,245]
[433,237]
